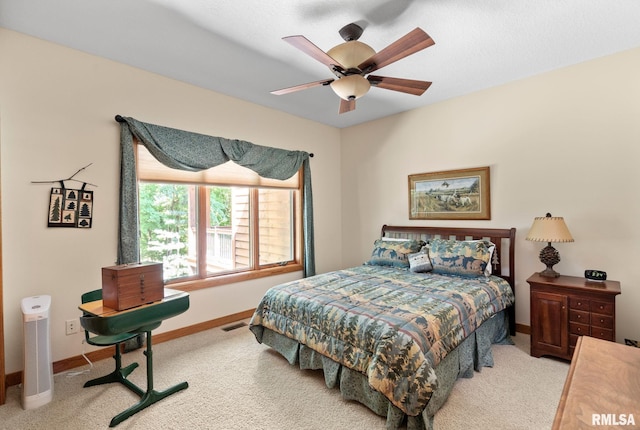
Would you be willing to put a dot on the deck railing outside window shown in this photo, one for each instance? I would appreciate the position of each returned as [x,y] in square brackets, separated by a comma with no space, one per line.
[220,248]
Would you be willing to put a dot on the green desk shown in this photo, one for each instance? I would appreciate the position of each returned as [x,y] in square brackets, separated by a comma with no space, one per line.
[142,319]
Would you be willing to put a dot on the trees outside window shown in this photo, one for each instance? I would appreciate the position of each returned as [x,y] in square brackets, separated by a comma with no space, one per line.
[164,227]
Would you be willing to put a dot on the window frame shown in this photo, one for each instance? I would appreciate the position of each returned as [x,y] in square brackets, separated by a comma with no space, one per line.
[206,280]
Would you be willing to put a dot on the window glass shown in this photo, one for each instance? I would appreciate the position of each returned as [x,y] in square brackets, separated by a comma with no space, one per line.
[228,231]
[275,225]
[203,231]
[167,227]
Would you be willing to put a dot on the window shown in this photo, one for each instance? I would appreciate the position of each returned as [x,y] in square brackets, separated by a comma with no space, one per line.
[217,226]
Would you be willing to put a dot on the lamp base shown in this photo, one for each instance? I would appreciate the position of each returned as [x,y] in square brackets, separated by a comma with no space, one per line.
[549,256]
[549,273]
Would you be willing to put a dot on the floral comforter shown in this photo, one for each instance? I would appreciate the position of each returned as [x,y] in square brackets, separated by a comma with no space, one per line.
[390,324]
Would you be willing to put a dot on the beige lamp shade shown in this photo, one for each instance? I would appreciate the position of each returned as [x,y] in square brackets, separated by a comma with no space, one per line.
[549,229]
[350,87]
[351,54]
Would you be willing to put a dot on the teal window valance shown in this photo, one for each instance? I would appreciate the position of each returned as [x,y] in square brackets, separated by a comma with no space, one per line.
[190,151]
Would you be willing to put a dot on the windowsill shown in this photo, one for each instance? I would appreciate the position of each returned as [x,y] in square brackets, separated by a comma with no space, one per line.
[231,278]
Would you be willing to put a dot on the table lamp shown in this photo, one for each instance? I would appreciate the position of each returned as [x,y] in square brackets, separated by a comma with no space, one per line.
[549,229]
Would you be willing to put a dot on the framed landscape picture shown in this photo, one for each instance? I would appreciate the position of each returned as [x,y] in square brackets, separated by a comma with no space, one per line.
[452,194]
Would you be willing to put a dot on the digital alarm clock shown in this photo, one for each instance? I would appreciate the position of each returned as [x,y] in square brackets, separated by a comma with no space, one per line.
[595,275]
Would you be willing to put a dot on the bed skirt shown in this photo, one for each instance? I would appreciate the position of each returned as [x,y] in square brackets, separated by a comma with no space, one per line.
[471,355]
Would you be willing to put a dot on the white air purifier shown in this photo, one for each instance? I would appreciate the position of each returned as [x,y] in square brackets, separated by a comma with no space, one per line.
[37,374]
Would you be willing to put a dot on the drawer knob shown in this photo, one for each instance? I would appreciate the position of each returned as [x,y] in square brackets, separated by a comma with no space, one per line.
[579,316]
[602,320]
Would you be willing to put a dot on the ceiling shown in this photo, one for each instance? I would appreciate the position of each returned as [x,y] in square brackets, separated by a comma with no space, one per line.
[235,47]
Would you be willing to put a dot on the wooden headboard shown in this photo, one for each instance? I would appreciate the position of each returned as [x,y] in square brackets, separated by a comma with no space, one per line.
[504,239]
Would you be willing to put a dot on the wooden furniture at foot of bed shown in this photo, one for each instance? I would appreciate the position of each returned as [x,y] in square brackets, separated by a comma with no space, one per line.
[602,388]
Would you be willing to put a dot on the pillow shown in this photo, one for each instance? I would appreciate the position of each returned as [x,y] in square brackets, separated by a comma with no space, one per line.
[393,253]
[420,262]
[461,257]
[492,246]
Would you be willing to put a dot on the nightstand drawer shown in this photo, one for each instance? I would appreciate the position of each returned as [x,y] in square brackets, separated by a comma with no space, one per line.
[602,307]
[602,333]
[579,316]
[602,321]
[579,304]
[579,329]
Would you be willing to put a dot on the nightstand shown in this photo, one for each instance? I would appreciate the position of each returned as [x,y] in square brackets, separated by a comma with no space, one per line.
[566,307]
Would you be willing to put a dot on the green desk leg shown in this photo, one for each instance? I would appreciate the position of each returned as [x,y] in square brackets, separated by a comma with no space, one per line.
[151,396]
[118,375]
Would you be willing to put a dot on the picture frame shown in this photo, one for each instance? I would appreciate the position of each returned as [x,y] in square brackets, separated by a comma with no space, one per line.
[452,195]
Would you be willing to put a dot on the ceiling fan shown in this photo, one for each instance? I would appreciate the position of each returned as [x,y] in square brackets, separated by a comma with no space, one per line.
[352,61]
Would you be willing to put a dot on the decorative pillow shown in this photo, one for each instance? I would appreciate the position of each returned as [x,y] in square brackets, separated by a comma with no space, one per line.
[420,262]
[491,246]
[394,253]
[461,257]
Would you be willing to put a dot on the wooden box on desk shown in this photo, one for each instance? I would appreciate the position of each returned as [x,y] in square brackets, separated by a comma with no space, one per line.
[129,285]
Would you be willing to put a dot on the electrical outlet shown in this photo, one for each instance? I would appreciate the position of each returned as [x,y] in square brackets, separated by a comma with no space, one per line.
[72,326]
[631,342]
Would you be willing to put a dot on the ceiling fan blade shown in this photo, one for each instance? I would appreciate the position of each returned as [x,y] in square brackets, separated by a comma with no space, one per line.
[411,43]
[306,46]
[302,87]
[347,105]
[410,86]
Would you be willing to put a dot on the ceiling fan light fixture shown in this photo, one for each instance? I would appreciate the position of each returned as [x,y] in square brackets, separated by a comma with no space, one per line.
[352,53]
[350,87]
[353,61]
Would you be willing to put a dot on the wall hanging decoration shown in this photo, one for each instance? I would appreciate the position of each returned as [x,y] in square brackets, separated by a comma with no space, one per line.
[452,194]
[70,207]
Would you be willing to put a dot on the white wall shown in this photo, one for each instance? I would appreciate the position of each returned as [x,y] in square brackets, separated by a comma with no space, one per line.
[57,108]
[565,142]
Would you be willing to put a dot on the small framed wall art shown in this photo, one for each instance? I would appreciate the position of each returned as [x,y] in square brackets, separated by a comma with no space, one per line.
[70,208]
[454,194]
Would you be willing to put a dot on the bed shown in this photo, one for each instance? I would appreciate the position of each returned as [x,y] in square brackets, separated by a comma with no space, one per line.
[396,332]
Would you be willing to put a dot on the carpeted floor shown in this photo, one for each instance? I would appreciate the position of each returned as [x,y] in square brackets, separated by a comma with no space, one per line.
[236,384]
